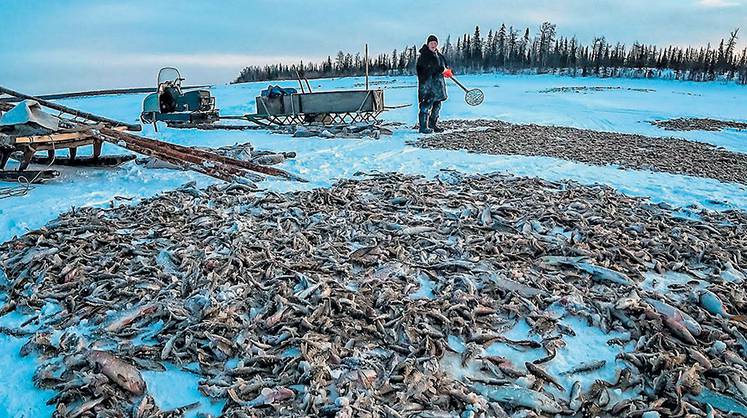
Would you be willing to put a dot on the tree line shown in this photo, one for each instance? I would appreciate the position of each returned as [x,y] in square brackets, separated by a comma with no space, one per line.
[510,50]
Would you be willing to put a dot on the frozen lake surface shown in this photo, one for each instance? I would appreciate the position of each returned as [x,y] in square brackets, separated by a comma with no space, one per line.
[519,99]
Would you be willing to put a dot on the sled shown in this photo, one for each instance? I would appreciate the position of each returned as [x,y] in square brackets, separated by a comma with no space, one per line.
[342,107]
[28,146]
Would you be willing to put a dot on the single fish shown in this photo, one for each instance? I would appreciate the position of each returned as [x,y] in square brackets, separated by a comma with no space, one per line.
[269,396]
[676,324]
[415,230]
[711,303]
[585,367]
[673,313]
[740,339]
[85,407]
[732,275]
[522,345]
[721,402]
[700,358]
[714,305]
[542,374]
[557,260]
[516,287]
[131,316]
[576,398]
[604,274]
[522,397]
[599,273]
[118,371]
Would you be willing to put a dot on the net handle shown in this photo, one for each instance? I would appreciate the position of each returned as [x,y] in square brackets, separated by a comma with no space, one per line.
[467,92]
[459,84]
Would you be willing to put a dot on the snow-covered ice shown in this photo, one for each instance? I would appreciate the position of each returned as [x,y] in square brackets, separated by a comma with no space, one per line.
[588,345]
[18,395]
[176,388]
[511,98]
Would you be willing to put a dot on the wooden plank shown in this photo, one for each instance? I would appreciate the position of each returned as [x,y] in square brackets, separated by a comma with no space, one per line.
[50,138]
[71,111]
[83,133]
[44,146]
[194,155]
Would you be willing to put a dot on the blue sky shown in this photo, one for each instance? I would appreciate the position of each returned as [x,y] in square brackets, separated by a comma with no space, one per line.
[52,46]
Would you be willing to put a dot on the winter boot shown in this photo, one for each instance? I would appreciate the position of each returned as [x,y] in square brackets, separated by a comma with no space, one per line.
[433,123]
[423,123]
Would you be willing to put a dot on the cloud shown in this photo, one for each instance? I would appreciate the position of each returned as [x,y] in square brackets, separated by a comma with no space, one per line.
[718,3]
[135,59]
[103,69]
[80,44]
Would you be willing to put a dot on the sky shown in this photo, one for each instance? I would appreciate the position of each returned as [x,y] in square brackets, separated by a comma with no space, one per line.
[51,46]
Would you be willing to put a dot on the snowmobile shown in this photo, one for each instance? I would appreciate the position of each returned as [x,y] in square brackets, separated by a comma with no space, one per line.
[174,106]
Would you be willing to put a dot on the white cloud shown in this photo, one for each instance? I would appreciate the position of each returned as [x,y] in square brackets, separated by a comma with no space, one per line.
[87,44]
[130,59]
[718,3]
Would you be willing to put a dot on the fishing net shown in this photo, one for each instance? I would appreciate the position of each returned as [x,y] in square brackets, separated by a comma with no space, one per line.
[474,97]
[25,184]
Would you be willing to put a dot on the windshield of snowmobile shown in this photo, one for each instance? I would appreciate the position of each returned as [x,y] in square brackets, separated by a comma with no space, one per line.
[170,75]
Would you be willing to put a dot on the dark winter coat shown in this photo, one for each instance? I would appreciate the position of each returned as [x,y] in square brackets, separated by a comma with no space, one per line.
[431,83]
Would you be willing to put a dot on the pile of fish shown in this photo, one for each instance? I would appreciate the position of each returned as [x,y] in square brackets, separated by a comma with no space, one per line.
[587,89]
[246,152]
[347,301]
[353,130]
[671,155]
[241,151]
[698,124]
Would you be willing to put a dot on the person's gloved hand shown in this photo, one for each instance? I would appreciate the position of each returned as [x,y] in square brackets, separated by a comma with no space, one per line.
[447,73]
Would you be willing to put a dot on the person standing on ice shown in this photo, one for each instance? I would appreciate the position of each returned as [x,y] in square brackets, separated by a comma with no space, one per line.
[431,68]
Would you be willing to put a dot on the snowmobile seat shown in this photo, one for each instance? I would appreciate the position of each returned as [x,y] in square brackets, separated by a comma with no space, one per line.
[167,100]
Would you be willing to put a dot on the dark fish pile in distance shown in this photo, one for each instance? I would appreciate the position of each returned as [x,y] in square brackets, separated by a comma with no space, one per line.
[669,155]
